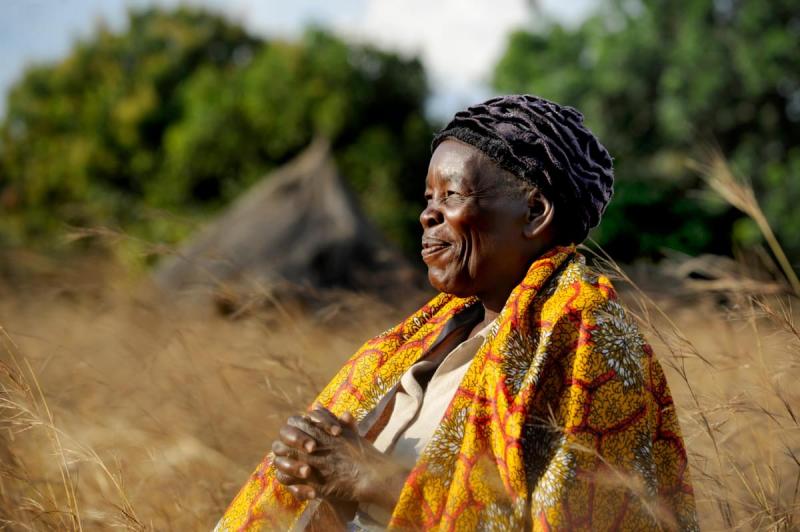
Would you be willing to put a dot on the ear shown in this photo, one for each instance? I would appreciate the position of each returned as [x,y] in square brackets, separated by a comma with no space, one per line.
[539,218]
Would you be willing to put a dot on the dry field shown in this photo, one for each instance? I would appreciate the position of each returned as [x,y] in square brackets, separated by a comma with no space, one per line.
[121,409]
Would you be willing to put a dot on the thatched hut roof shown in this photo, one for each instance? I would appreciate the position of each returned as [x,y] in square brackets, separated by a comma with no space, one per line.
[300,224]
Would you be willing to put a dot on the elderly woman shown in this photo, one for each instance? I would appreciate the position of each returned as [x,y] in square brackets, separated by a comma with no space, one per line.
[521,396]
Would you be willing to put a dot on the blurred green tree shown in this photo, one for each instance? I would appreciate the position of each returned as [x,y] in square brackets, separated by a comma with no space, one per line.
[183,110]
[81,141]
[660,82]
[239,123]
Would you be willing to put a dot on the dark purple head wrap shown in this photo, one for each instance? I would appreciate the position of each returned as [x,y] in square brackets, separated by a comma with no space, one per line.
[547,145]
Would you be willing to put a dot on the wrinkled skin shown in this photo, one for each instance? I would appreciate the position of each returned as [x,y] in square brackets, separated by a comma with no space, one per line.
[479,237]
[320,455]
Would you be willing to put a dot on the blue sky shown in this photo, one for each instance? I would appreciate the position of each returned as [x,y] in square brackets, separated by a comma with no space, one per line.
[458,44]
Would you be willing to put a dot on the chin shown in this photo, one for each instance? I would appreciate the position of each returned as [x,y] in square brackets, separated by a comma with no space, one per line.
[448,285]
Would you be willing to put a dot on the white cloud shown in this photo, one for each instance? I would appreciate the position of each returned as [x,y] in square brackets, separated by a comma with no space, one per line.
[459,42]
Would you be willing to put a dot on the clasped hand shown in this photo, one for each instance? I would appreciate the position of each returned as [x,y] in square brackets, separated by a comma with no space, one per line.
[320,455]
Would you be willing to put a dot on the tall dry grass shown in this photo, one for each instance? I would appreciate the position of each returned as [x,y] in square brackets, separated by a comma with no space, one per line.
[122,409]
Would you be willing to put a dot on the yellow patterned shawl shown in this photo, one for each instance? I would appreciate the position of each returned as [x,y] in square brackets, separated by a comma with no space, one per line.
[563,421]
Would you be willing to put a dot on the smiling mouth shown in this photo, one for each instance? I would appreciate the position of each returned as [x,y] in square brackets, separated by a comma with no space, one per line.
[431,247]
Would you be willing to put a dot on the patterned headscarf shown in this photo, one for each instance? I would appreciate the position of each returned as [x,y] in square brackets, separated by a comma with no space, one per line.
[546,145]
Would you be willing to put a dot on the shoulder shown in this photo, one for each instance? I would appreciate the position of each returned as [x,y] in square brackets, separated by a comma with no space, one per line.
[603,341]
[577,291]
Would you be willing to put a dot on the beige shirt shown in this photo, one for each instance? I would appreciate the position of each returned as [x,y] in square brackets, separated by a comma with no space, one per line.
[417,412]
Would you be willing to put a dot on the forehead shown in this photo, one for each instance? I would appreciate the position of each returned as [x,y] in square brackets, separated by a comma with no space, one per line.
[456,161]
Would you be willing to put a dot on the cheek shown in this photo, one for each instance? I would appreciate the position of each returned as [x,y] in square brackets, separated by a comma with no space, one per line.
[477,236]
[482,253]
[465,223]
[472,258]
[471,232]
[494,245]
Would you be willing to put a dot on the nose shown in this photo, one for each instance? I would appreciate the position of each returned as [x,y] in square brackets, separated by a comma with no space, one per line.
[431,216]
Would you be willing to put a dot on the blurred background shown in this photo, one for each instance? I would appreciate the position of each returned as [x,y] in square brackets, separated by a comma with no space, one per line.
[114,112]
[274,154]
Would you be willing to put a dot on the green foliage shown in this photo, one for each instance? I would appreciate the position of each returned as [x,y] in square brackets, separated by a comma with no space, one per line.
[661,82]
[240,123]
[81,141]
[184,110]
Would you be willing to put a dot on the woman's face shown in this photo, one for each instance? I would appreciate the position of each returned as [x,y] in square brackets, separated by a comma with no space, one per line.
[474,228]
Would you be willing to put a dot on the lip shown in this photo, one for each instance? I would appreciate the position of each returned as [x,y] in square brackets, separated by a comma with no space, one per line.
[433,246]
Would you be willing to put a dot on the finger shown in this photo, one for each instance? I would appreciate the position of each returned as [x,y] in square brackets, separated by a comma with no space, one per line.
[288,480]
[295,468]
[307,427]
[349,420]
[292,435]
[303,492]
[322,465]
[325,419]
[281,449]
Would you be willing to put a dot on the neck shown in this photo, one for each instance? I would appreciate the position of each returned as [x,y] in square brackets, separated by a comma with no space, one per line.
[494,302]
[490,312]
[489,315]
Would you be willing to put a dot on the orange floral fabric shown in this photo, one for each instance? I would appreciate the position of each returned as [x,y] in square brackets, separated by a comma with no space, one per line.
[563,421]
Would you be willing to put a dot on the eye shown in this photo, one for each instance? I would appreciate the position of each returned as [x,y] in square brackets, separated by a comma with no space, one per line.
[428,196]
